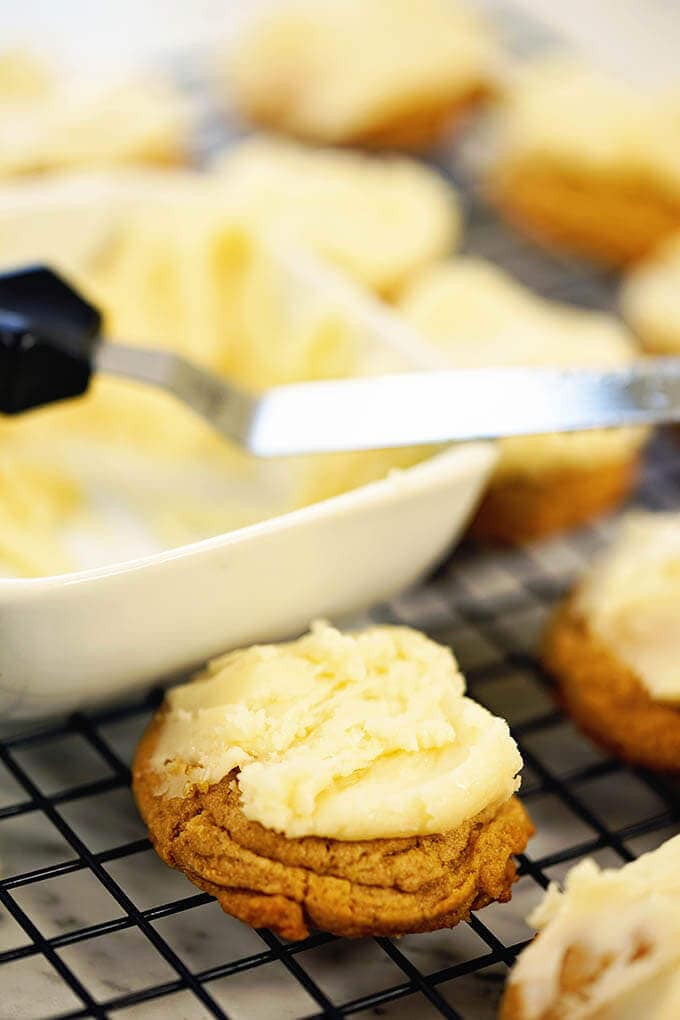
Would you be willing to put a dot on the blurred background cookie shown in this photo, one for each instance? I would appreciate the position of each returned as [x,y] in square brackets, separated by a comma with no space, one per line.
[381,219]
[23,77]
[650,299]
[613,645]
[481,317]
[87,124]
[586,162]
[384,74]
[608,944]
[341,781]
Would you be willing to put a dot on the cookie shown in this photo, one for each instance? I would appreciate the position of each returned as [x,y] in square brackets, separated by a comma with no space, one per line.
[650,299]
[587,163]
[606,698]
[137,122]
[364,887]
[480,317]
[381,219]
[308,786]
[517,510]
[613,649]
[416,71]
[608,945]
[24,77]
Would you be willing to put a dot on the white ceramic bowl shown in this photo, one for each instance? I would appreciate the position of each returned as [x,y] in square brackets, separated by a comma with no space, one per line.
[100,633]
[69,640]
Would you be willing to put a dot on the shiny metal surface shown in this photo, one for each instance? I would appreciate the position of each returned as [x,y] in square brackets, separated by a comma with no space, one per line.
[410,408]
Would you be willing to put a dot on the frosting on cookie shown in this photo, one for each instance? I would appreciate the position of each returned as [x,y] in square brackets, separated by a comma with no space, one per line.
[135,122]
[609,944]
[337,70]
[350,736]
[380,219]
[559,111]
[631,600]
[23,77]
[650,299]
[481,317]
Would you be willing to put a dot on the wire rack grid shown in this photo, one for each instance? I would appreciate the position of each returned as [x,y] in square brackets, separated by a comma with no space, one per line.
[93,925]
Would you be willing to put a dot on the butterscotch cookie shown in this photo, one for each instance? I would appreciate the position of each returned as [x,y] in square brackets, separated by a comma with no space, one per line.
[587,163]
[416,69]
[136,122]
[382,219]
[341,782]
[516,509]
[481,318]
[24,77]
[608,946]
[650,299]
[611,646]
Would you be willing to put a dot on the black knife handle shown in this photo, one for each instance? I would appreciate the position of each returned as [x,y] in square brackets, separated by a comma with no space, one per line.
[48,336]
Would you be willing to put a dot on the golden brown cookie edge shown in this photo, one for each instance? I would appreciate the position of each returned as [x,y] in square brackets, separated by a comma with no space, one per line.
[515,510]
[413,129]
[329,900]
[583,214]
[606,699]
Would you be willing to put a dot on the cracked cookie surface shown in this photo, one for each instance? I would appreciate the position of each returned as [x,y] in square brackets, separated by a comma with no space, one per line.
[375,886]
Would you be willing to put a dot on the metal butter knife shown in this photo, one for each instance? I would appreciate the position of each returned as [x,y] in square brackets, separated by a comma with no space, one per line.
[50,345]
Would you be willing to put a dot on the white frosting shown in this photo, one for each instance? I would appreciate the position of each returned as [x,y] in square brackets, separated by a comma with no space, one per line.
[631,600]
[556,110]
[624,924]
[351,736]
[481,317]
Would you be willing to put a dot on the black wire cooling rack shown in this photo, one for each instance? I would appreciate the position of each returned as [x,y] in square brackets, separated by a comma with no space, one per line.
[93,925]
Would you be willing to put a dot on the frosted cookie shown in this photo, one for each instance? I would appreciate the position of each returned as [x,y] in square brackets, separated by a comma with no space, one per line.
[386,74]
[380,219]
[23,77]
[650,299]
[613,645]
[481,317]
[588,163]
[608,945]
[341,782]
[80,126]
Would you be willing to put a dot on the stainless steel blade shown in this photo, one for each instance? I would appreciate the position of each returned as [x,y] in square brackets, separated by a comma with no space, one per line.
[434,407]
[411,408]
